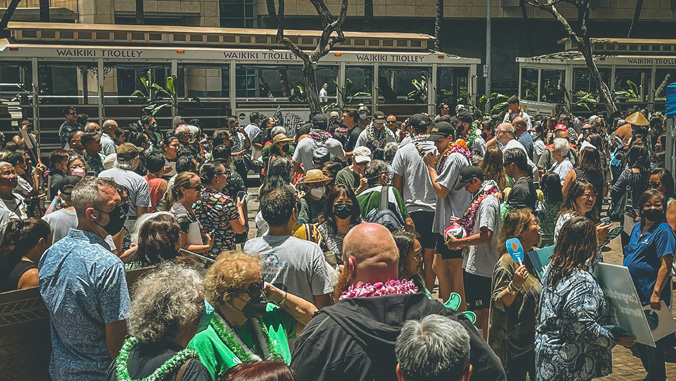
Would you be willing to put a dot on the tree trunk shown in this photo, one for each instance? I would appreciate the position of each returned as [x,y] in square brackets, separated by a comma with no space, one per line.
[368,14]
[140,18]
[44,10]
[7,16]
[637,14]
[311,87]
[526,26]
[437,24]
[595,75]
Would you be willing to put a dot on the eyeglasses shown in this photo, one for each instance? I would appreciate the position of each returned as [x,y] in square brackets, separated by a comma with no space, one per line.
[254,290]
[588,196]
[654,185]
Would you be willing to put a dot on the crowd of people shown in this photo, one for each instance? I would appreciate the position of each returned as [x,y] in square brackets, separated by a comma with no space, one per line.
[360,215]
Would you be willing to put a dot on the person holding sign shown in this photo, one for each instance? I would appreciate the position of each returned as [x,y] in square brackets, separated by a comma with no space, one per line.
[186,191]
[649,256]
[515,292]
[571,342]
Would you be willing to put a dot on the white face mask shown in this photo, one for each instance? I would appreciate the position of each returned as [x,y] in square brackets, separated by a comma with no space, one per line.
[318,192]
[78,172]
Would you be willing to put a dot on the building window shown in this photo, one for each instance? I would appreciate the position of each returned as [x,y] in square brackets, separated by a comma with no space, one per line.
[237,13]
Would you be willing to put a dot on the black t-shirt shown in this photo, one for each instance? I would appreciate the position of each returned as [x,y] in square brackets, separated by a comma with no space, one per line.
[55,178]
[353,135]
[523,194]
[144,359]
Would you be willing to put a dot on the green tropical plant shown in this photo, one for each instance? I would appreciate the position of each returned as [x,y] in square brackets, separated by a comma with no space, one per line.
[299,95]
[156,96]
[629,94]
[419,93]
[346,95]
[582,101]
[498,103]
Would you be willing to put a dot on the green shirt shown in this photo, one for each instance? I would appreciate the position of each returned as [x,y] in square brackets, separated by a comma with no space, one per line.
[346,177]
[370,199]
[218,358]
[310,210]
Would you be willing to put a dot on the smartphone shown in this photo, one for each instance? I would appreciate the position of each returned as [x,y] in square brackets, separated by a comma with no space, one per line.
[242,195]
[606,220]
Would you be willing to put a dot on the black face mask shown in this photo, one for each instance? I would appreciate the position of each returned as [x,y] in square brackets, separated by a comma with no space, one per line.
[256,306]
[653,214]
[343,211]
[285,149]
[117,218]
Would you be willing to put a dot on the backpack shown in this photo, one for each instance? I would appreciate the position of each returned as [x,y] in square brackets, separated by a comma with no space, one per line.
[383,215]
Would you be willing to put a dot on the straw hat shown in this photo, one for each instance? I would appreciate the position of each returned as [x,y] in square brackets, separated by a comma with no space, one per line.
[281,138]
[315,176]
[637,119]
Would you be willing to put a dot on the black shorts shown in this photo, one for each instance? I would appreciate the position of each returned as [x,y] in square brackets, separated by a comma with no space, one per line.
[423,226]
[445,252]
[477,291]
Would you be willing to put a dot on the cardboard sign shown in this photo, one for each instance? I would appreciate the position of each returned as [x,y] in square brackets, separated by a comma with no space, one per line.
[628,224]
[540,259]
[198,262]
[626,310]
[661,322]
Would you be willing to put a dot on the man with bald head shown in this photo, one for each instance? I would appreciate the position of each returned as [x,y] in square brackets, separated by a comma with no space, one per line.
[354,339]
[522,135]
[108,137]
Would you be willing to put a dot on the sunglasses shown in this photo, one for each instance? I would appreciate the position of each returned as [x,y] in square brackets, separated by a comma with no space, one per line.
[654,185]
[198,188]
[254,290]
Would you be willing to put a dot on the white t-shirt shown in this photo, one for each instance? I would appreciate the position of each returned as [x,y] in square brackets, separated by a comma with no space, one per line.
[305,148]
[323,95]
[137,186]
[363,137]
[456,201]
[60,222]
[417,189]
[292,265]
[480,260]
[562,169]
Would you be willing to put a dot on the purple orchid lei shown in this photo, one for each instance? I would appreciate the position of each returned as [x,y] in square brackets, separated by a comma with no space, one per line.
[391,287]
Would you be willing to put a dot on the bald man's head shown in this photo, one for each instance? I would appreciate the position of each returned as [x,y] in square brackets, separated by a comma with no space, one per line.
[370,254]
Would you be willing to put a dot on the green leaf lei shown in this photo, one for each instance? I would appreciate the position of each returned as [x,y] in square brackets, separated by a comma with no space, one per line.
[472,135]
[160,373]
[235,344]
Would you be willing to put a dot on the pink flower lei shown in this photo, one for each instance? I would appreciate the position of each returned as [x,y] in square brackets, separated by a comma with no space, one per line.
[391,287]
[319,135]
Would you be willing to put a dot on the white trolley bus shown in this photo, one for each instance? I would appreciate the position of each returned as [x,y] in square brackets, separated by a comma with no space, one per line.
[637,72]
[220,72]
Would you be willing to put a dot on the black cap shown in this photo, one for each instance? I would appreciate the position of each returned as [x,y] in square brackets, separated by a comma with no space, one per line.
[419,121]
[321,155]
[464,116]
[379,117]
[441,130]
[467,174]
[320,121]
[69,182]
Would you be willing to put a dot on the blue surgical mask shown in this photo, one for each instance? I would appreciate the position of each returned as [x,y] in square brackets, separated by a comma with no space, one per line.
[205,318]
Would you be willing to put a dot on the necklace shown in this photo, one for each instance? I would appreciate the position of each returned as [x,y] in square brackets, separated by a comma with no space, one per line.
[391,287]
[441,159]
[377,138]
[472,135]
[319,135]
[488,188]
[160,373]
[243,353]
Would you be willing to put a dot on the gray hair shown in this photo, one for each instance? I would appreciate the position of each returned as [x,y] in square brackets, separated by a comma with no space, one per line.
[164,301]
[508,128]
[561,145]
[3,163]
[87,193]
[374,169]
[435,348]
[390,150]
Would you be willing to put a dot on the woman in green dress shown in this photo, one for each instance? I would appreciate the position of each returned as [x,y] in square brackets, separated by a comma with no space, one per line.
[253,320]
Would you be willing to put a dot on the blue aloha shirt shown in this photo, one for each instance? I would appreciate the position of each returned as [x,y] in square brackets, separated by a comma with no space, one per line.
[570,342]
[215,211]
[84,287]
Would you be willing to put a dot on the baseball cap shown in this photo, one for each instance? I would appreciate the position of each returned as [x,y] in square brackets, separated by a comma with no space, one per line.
[320,121]
[467,174]
[560,127]
[441,130]
[361,155]
[418,121]
[69,182]
[320,155]
[379,117]
[127,152]
[464,116]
